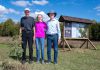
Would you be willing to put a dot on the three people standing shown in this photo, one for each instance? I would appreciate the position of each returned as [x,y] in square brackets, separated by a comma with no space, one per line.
[53,35]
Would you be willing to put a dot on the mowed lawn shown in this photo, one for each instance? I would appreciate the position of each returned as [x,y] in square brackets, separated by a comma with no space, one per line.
[77,59]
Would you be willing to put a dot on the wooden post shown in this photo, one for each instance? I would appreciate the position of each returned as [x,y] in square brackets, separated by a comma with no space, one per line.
[68,45]
[82,44]
[92,44]
[63,37]
[60,43]
[87,44]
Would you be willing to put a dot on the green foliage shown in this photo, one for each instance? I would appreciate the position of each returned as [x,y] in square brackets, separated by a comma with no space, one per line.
[9,28]
[1,26]
[15,47]
[94,33]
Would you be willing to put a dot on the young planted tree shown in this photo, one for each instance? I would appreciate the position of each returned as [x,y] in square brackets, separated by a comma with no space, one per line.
[15,47]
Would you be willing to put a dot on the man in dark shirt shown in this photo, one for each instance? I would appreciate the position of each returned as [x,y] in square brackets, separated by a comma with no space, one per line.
[27,24]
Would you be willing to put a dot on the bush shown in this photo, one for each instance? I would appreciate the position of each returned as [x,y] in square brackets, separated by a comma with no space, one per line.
[9,28]
[15,48]
[94,32]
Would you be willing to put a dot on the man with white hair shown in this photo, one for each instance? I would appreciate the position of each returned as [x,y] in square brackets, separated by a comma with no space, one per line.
[26,28]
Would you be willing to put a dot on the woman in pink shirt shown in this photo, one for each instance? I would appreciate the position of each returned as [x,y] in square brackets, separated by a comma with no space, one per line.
[39,36]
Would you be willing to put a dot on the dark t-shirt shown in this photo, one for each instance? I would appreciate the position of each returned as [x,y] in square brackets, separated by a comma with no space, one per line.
[28,23]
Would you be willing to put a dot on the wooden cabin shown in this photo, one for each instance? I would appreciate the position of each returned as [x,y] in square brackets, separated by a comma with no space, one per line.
[75,28]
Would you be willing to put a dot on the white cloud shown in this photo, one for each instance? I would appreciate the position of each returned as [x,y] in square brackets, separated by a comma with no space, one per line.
[45,16]
[4,17]
[98,14]
[38,2]
[4,10]
[97,8]
[13,11]
[24,3]
[21,3]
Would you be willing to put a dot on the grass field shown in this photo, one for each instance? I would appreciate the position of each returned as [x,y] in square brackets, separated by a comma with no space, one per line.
[77,59]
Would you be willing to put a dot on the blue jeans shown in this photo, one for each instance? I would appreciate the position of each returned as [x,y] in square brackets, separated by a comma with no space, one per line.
[40,45]
[52,39]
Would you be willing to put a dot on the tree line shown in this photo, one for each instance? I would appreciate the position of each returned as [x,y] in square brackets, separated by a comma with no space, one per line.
[9,28]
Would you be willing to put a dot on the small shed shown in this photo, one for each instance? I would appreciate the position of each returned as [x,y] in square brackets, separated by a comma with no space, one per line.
[75,29]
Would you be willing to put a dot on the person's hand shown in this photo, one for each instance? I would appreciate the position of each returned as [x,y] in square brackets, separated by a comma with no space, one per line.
[59,41]
[22,28]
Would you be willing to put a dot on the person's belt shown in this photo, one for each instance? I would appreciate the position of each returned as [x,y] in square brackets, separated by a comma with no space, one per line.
[27,31]
[52,34]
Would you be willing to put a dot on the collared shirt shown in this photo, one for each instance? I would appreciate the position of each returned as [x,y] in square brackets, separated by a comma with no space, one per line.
[53,27]
[27,23]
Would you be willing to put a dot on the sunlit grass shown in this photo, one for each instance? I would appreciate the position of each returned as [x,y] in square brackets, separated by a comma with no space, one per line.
[77,59]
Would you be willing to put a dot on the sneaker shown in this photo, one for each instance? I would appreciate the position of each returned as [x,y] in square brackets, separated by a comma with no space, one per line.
[42,61]
[37,62]
[30,62]
[23,61]
[48,62]
[55,63]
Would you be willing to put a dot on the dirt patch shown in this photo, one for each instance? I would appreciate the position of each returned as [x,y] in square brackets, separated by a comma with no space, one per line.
[5,40]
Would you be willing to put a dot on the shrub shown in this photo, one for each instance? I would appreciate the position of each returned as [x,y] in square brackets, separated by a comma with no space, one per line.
[15,47]
[94,32]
